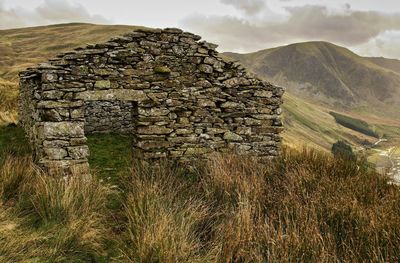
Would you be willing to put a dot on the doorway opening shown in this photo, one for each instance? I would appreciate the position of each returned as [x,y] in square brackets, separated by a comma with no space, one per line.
[110,128]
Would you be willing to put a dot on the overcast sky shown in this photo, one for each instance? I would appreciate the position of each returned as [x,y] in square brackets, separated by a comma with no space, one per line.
[369,27]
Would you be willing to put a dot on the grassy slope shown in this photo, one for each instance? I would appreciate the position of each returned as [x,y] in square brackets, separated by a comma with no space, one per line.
[312,125]
[20,48]
[393,64]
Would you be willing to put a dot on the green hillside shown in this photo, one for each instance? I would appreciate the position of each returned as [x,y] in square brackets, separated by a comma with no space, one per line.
[312,125]
[392,64]
[20,48]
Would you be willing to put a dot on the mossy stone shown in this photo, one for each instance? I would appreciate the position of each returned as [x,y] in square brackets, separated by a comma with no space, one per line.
[162,70]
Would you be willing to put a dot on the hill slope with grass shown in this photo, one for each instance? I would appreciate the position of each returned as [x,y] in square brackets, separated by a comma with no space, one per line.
[330,74]
[21,48]
[305,121]
[311,124]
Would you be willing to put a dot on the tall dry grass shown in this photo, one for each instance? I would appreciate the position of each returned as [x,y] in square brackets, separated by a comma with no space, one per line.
[7,117]
[8,101]
[162,219]
[303,207]
[50,218]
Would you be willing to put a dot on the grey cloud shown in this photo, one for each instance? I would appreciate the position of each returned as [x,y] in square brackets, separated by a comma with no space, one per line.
[249,7]
[385,44]
[303,23]
[50,12]
[231,33]
[349,27]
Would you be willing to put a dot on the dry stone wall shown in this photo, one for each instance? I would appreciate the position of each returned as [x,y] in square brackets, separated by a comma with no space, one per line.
[110,116]
[170,90]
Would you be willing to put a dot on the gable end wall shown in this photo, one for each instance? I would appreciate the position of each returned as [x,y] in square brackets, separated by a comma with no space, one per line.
[172,92]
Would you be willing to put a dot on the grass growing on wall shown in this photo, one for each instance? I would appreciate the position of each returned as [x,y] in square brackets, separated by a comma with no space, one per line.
[354,124]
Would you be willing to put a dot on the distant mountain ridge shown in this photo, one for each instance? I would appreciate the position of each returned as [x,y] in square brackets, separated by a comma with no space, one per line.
[393,64]
[328,73]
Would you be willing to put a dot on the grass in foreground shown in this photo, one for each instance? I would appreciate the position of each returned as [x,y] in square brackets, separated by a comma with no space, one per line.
[303,207]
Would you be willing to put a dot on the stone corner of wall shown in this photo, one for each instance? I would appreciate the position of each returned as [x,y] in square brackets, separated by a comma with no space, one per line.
[65,167]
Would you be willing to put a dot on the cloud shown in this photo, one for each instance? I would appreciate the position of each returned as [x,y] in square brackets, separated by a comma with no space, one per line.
[49,12]
[385,44]
[301,23]
[347,27]
[249,7]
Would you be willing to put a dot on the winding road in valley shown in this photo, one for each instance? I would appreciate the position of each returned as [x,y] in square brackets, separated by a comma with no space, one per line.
[389,161]
[394,157]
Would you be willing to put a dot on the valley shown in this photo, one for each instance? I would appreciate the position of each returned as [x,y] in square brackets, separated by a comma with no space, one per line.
[387,160]
[332,94]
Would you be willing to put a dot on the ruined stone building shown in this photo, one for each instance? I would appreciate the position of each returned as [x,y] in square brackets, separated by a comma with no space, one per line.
[172,92]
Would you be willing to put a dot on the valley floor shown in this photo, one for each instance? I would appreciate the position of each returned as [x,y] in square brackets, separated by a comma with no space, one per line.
[388,161]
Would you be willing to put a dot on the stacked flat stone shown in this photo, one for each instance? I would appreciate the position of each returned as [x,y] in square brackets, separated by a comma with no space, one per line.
[174,94]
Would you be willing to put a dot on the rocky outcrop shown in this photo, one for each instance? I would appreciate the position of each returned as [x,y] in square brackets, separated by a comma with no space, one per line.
[171,91]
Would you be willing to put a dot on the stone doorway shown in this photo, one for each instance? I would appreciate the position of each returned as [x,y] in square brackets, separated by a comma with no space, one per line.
[110,129]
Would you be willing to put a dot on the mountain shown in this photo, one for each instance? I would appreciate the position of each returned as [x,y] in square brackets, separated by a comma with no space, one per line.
[392,64]
[306,122]
[330,74]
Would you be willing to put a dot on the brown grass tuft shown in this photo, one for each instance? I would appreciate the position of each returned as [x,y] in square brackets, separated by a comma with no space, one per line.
[50,218]
[162,223]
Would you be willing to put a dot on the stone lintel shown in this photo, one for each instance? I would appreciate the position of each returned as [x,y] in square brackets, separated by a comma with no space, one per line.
[112,94]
